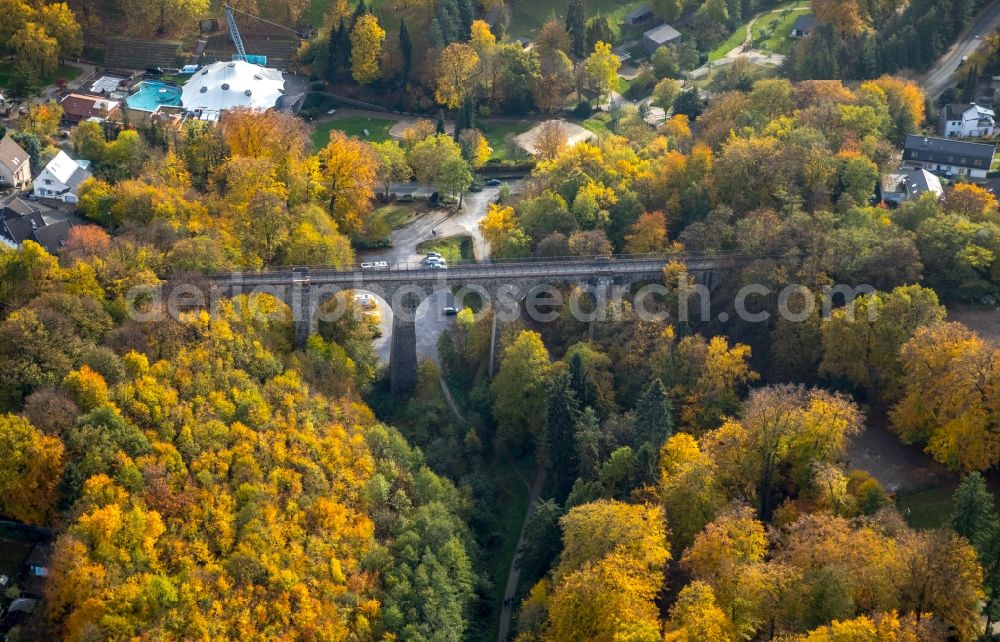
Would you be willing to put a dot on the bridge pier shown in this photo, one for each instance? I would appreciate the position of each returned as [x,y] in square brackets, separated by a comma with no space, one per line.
[302,308]
[403,349]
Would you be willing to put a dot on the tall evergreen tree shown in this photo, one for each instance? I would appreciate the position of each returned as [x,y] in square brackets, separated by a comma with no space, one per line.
[561,412]
[440,129]
[974,512]
[598,30]
[974,517]
[579,380]
[466,14]
[576,18]
[360,10]
[406,50]
[588,444]
[654,415]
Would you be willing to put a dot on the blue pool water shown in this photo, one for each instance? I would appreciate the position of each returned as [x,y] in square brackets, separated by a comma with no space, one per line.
[152,94]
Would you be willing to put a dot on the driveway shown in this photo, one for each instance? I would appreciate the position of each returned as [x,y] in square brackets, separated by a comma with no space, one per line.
[431,321]
[940,76]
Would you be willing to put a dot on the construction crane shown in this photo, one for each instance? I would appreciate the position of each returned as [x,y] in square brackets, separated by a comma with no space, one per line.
[234,32]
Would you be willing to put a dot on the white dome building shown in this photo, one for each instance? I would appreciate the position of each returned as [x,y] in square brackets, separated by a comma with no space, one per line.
[229,85]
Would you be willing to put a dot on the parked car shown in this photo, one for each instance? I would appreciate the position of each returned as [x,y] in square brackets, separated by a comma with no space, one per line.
[437,266]
[493,182]
[366,301]
[435,255]
[434,260]
[449,305]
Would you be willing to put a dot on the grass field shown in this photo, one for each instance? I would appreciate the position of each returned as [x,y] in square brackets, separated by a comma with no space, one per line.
[499,134]
[511,516]
[378,129]
[598,123]
[782,17]
[760,71]
[927,508]
[772,31]
[65,72]
[527,17]
[381,222]
[452,248]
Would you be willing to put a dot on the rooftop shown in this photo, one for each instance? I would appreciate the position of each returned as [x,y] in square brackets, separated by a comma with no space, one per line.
[663,33]
[948,146]
[68,171]
[805,23]
[229,85]
[11,154]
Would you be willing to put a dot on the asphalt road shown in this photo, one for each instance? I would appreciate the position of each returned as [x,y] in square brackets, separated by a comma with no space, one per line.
[431,321]
[940,76]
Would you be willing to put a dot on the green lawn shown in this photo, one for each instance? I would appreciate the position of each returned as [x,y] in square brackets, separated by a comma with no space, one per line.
[779,42]
[760,71]
[499,134]
[452,248]
[927,508]
[381,222]
[65,72]
[598,123]
[528,17]
[511,515]
[378,129]
[730,43]
[772,32]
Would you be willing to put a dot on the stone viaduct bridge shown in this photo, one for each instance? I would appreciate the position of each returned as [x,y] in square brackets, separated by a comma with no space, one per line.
[404,286]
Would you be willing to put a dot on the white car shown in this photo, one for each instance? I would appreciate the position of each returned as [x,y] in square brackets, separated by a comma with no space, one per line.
[434,255]
[366,301]
[434,260]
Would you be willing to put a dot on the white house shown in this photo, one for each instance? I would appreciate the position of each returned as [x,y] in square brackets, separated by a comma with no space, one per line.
[966,121]
[15,171]
[948,157]
[61,177]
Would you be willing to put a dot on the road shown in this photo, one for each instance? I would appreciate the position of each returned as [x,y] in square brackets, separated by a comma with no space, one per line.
[939,77]
[431,322]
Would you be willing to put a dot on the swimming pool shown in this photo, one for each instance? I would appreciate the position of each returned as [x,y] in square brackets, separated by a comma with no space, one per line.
[152,94]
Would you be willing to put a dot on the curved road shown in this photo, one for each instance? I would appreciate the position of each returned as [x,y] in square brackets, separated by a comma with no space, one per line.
[939,77]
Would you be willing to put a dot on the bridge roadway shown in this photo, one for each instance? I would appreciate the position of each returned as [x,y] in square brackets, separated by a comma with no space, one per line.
[560,270]
[404,286]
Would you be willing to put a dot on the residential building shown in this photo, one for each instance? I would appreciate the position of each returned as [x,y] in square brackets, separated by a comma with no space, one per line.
[80,107]
[15,170]
[659,37]
[949,157]
[22,221]
[636,16]
[908,183]
[61,177]
[964,120]
[804,26]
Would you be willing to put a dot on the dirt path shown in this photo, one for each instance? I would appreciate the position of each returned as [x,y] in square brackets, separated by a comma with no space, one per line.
[514,576]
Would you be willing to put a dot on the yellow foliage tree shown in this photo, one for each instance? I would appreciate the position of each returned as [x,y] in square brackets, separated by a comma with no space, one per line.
[366,49]
[349,170]
[456,67]
[31,467]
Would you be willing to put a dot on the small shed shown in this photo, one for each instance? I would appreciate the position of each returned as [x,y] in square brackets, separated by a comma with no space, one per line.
[659,37]
[637,16]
